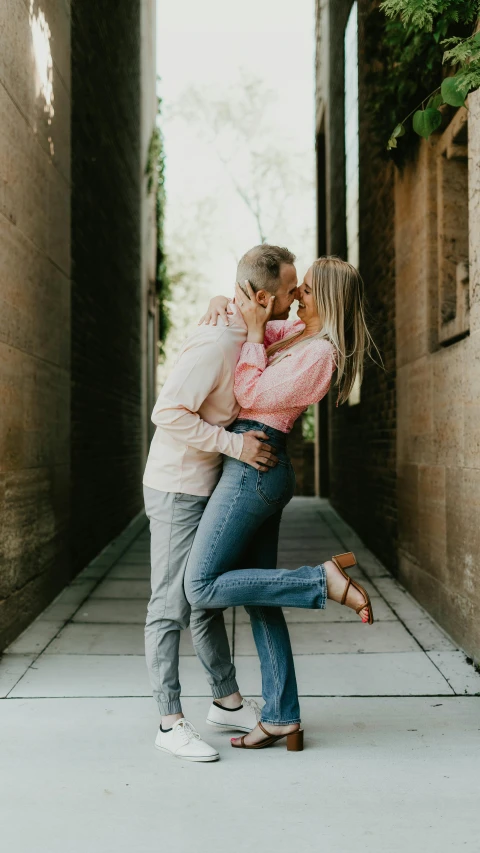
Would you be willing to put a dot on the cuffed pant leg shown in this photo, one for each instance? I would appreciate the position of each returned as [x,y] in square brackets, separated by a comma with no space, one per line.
[162,641]
[212,648]
[174,519]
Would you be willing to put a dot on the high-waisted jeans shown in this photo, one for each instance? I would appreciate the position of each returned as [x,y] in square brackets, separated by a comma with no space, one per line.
[233,559]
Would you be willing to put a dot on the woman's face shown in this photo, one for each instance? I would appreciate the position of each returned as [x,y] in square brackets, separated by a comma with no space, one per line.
[307,310]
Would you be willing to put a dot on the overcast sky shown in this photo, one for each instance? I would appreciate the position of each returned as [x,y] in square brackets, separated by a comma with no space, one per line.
[208,44]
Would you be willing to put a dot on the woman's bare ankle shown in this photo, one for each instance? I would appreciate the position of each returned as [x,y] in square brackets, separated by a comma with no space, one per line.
[336,584]
[257,735]
[334,580]
[281,728]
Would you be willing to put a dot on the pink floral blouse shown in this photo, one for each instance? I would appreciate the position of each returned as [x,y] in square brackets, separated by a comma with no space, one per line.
[276,394]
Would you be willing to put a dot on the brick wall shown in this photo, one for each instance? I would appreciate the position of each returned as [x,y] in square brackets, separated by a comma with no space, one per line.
[106,449]
[438,390]
[362,438]
[34,311]
[411,448]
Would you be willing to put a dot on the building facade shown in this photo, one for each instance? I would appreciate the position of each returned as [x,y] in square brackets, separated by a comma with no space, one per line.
[77,249]
[402,462]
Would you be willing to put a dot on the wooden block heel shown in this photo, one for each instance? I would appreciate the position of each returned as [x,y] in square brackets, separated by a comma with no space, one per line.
[346,561]
[294,741]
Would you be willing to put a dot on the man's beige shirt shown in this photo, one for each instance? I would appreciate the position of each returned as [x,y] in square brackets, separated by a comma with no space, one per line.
[195,405]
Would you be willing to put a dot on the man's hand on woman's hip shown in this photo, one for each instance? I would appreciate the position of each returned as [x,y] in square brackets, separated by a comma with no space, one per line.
[256,453]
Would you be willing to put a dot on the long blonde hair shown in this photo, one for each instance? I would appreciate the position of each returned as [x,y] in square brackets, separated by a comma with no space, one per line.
[339,297]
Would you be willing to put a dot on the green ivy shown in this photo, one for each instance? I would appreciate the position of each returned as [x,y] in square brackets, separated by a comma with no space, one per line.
[407,77]
[155,172]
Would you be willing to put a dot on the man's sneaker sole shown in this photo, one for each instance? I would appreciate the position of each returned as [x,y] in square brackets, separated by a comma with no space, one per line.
[189,757]
[228,726]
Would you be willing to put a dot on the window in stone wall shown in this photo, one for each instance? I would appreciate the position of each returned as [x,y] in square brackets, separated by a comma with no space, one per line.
[351,151]
[452,230]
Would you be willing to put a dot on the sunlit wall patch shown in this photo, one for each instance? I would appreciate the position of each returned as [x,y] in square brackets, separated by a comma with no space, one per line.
[42,53]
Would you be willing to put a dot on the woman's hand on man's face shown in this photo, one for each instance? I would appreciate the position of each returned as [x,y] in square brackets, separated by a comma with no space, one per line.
[254,314]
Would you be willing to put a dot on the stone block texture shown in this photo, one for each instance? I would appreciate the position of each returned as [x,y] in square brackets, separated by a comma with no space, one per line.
[74,220]
[438,398]
[34,309]
[404,464]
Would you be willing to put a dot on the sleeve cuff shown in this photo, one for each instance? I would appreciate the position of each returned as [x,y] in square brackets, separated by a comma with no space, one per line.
[254,354]
[236,445]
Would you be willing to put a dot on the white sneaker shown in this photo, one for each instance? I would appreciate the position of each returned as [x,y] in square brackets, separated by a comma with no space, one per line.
[183,741]
[243,719]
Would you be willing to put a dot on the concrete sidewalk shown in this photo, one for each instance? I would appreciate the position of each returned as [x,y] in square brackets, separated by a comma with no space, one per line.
[391,715]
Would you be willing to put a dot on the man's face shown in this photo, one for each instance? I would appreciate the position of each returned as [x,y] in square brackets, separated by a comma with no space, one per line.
[286,292]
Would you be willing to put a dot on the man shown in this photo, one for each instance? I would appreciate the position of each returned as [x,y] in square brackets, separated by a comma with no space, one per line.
[195,406]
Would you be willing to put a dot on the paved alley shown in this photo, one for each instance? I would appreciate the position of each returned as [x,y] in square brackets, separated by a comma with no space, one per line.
[391,715]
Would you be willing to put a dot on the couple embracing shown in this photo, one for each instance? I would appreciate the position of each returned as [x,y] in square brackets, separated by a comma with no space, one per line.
[216,481]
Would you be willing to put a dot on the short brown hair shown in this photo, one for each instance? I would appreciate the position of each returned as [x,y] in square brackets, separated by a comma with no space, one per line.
[261,267]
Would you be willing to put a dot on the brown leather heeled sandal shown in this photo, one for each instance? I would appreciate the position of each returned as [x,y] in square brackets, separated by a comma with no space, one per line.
[345,561]
[294,741]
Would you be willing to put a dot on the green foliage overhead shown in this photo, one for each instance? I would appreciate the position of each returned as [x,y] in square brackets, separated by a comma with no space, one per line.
[417,44]
[422,14]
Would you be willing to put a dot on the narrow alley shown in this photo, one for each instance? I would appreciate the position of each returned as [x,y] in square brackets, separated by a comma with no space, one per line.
[145,147]
[391,715]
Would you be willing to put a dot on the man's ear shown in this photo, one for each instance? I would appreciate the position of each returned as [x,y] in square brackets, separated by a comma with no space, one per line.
[262,297]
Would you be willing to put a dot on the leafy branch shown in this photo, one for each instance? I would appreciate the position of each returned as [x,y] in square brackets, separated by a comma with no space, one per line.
[421,14]
[432,19]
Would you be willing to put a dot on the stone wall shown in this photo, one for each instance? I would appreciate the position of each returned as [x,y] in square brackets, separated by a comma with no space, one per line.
[404,464]
[35,104]
[74,362]
[107,301]
[362,438]
[438,401]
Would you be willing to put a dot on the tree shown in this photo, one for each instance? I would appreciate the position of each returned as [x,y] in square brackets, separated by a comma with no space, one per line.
[262,166]
[235,177]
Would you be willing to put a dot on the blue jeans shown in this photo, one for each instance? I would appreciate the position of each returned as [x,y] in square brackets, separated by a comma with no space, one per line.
[239,528]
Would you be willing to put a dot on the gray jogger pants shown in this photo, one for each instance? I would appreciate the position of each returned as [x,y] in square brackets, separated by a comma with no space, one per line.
[174,518]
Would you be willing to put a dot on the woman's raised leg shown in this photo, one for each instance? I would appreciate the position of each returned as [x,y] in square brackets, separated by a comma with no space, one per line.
[234,514]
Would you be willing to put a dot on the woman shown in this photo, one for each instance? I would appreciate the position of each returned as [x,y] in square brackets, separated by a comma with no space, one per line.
[284,367]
